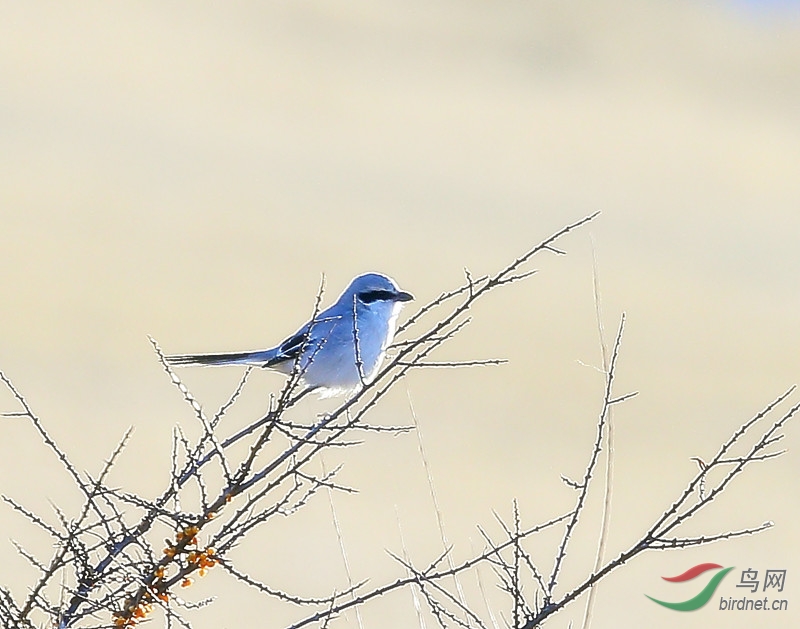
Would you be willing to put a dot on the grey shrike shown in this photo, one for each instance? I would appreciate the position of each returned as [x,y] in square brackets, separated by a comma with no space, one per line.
[339,350]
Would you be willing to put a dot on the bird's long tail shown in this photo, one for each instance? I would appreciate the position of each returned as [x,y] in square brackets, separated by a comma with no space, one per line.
[262,358]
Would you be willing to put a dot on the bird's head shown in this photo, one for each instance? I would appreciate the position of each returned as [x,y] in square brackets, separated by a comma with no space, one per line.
[375,288]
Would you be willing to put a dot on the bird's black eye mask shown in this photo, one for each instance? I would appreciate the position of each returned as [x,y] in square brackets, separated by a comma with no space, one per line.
[369,296]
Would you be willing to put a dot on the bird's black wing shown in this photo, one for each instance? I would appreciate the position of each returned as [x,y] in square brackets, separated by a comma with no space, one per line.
[290,349]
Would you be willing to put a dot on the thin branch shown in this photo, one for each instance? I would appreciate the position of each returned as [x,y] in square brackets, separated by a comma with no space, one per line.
[584,484]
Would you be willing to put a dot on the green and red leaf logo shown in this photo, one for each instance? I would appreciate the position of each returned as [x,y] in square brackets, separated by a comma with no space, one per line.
[705,594]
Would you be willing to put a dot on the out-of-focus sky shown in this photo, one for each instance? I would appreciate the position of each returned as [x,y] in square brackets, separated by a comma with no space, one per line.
[189,171]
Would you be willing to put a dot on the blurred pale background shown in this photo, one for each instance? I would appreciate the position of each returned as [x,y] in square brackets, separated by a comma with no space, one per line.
[189,171]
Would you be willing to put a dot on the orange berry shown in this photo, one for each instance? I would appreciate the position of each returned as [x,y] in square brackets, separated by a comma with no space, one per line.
[186,583]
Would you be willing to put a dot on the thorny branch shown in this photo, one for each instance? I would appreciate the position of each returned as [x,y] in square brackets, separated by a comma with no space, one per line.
[110,566]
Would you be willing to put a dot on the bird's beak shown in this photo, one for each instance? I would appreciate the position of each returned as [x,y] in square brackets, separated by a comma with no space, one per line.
[403,296]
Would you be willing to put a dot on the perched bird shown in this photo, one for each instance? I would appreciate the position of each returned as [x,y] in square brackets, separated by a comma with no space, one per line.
[338,351]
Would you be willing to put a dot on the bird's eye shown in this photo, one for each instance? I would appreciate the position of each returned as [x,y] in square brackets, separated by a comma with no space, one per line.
[369,296]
